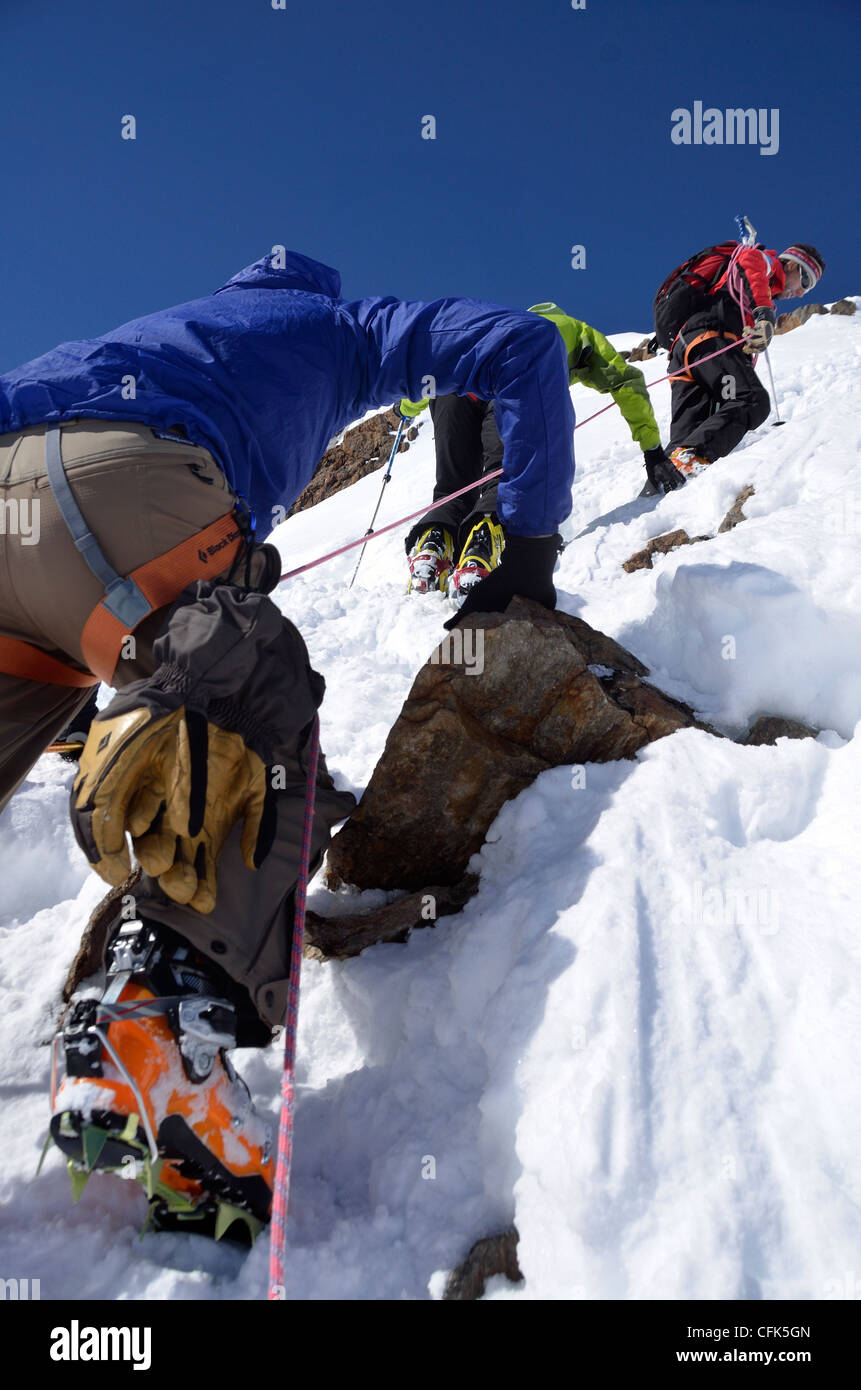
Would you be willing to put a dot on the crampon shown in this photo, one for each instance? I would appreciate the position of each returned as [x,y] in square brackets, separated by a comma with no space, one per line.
[430,561]
[481,554]
[148,1092]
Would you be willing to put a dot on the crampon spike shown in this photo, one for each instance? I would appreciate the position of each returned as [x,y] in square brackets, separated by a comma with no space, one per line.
[93,1140]
[227,1215]
[151,1175]
[180,1204]
[45,1147]
[147,1224]
[80,1177]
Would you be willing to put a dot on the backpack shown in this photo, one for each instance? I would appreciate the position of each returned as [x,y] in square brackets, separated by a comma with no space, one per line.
[685,291]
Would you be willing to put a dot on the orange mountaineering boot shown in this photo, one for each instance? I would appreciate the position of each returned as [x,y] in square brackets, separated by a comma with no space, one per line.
[689,464]
[149,1092]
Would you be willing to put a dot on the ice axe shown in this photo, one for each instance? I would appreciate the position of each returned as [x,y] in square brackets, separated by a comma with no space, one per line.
[746,230]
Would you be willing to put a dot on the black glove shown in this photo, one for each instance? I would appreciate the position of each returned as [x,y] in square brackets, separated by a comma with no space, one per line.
[760,335]
[526,568]
[661,473]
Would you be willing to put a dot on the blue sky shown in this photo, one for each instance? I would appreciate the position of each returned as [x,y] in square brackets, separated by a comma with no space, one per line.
[302,127]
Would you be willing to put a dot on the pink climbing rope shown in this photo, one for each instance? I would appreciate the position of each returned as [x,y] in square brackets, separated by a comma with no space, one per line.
[281,1185]
[479,482]
[736,287]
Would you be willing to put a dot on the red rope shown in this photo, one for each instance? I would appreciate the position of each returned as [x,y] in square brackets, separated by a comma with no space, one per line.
[479,482]
[281,1185]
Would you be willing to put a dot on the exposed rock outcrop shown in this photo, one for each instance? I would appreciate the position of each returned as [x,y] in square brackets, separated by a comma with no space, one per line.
[735,513]
[88,960]
[659,545]
[768,728]
[338,938]
[361,450]
[487,1258]
[796,317]
[640,353]
[551,690]
[671,540]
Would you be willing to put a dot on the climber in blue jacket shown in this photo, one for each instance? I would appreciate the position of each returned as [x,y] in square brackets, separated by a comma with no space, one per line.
[266,370]
[137,462]
[148,450]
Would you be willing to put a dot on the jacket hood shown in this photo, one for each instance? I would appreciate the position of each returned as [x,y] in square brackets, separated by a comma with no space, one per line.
[286,270]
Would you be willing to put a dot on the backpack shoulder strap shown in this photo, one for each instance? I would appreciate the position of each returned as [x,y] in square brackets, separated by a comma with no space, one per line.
[687,268]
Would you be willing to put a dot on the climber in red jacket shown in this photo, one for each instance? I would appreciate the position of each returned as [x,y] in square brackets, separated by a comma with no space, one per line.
[721,296]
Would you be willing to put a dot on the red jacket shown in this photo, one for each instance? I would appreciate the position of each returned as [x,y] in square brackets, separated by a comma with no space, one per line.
[761,275]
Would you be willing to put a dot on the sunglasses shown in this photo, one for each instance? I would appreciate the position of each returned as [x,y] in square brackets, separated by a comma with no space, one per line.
[805,274]
[807,278]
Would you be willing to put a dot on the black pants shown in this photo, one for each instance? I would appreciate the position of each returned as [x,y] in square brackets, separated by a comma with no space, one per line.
[712,413]
[81,722]
[467,445]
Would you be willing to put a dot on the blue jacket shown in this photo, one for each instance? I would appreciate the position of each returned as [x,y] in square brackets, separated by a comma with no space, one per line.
[266,370]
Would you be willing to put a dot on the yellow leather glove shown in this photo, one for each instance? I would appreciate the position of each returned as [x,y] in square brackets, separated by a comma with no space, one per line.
[176,784]
[758,336]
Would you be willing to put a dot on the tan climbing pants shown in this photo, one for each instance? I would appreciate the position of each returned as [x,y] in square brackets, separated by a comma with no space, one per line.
[141,494]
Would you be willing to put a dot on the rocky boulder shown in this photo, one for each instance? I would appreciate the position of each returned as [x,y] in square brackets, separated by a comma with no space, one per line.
[359,451]
[671,540]
[641,353]
[735,515]
[796,317]
[504,697]
[347,934]
[90,956]
[768,728]
[659,545]
[488,1257]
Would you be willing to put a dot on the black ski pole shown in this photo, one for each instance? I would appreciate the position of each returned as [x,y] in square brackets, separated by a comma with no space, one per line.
[386,476]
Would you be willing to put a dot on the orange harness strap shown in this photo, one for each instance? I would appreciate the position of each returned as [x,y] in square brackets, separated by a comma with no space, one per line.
[160,581]
[701,338]
[18,658]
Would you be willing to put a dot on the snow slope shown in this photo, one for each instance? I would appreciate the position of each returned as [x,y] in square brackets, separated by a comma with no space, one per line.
[640,1040]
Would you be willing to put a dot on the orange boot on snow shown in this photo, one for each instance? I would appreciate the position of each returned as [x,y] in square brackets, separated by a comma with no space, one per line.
[688,463]
[149,1092]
